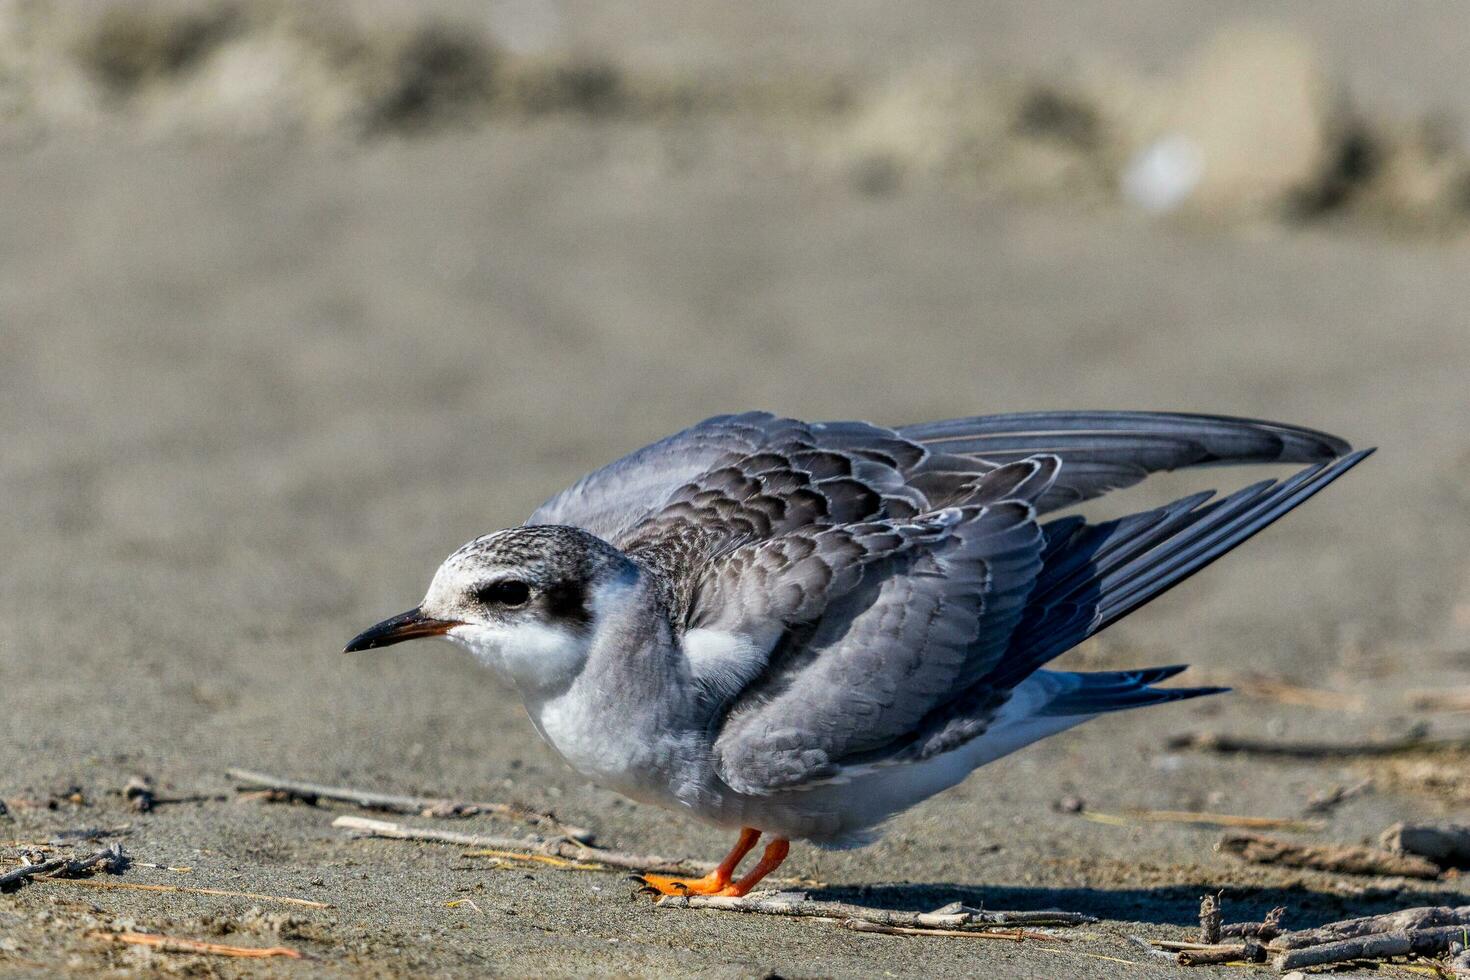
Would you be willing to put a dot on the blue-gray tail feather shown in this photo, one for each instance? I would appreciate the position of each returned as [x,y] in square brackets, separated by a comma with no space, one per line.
[1095,574]
[1119,690]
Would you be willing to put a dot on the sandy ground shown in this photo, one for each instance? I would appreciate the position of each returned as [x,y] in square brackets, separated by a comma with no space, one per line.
[252,391]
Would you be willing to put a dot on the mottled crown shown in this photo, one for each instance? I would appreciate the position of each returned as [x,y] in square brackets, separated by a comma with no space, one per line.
[539,554]
[562,567]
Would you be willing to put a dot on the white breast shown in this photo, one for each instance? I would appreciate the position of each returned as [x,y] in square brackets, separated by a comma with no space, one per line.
[724,662]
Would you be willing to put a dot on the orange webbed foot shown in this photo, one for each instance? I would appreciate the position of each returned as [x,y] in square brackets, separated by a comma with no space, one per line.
[710,884]
[718,882]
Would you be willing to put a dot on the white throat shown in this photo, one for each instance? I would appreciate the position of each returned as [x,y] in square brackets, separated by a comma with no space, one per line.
[536,657]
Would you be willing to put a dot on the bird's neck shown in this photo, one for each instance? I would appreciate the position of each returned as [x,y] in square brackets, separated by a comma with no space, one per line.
[630,704]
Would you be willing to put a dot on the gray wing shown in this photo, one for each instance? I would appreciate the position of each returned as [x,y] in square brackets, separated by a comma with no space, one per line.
[873,636]
[1102,451]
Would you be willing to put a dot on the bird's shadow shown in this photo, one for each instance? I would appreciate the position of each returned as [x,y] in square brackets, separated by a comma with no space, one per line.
[1173,905]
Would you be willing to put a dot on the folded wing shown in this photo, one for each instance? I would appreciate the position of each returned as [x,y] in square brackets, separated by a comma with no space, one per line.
[859,668]
[1100,451]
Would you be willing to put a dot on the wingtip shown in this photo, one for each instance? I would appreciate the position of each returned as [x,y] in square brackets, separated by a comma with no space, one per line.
[1347,461]
[1187,693]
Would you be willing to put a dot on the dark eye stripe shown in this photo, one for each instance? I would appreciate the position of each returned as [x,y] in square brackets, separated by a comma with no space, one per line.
[567,602]
[505,593]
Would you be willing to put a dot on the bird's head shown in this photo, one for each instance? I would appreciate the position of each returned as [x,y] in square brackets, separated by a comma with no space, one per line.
[526,601]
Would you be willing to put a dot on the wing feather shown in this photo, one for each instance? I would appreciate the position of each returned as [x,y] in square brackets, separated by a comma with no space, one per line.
[1103,451]
[917,624]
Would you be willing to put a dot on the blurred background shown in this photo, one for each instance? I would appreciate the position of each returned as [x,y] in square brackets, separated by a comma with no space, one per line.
[295,298]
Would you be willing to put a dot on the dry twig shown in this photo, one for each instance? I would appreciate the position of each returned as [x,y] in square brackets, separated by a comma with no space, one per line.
[1404,919]
[1014,935]
[424,806]
[1433,941]
[1447,845]
[185,890]
[555,862]
[954,917]
[1344,859]
[1201,819]
[110,858]
[1169,945]
[1249,951]
[12,880]
[1211,950]
[168,944]
[1336,796]
[555,846]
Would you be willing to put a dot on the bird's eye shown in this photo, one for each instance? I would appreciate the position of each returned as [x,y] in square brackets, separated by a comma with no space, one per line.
[504,593]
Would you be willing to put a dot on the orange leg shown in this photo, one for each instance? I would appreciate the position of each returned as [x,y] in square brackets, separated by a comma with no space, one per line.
[713,883]
[775,853]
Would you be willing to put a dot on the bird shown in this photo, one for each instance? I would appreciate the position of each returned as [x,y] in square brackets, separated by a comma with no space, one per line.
[801,629]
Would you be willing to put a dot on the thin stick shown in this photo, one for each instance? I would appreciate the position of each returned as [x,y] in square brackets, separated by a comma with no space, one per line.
[1174,946]
[1335,797]
[1415,918]
[1379,946]
[185,890]
[556,847]
[13,879]
[424,806]
[1247,952]
[1201,954]
[862,925]
[1202,819]
[168,944]
[796,904]
[1344,859]
[1412,742]
[554,862]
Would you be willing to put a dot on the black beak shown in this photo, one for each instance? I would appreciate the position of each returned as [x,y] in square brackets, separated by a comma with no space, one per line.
[405,626]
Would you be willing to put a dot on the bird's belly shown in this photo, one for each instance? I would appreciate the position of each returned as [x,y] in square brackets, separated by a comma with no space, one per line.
[661,768]
[647,762]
